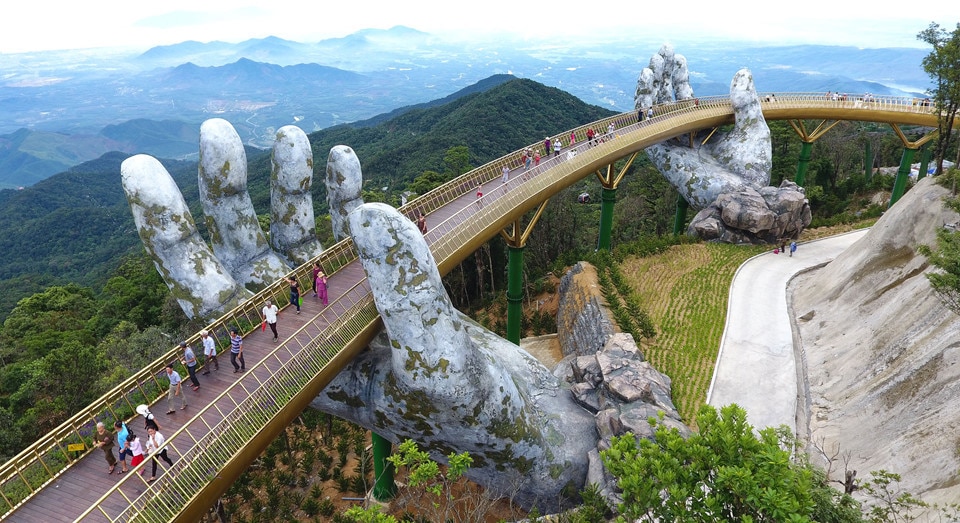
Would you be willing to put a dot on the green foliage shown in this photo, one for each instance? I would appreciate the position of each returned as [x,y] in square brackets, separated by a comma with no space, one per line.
[724,472]
[946,282]
[943,67]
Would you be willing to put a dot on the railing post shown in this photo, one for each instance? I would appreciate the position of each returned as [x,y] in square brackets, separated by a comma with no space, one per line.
[680,218]
[804,161]
[608,198]
[900,185]
[514,293]
[384,489]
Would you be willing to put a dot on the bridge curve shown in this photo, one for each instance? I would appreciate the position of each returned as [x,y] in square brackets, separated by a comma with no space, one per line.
[48,481]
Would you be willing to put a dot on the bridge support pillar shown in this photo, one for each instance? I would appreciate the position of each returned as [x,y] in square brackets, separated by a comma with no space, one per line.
[925,154]
[383,487]
[514,293]
[903,173]
[805,149]
[680,218]
[607,200]
[516,238]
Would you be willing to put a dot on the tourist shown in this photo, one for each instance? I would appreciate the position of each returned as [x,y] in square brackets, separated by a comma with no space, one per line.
[209,352]
[236,351]
[104,440]
[155,441]
[294,293]
[122,433]
[321,281]
[136,450]
[190,362]
[270,311]
[505,175]
[174,390]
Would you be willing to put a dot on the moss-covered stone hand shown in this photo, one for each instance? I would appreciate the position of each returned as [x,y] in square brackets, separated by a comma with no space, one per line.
[729,169]
[207,281]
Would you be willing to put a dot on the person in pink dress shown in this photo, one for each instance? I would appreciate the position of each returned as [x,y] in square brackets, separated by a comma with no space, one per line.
[321,285]
[573,138]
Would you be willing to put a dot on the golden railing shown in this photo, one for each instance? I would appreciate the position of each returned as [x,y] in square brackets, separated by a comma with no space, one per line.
[354,313]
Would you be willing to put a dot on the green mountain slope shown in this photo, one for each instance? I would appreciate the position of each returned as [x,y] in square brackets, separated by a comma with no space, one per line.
[76,226]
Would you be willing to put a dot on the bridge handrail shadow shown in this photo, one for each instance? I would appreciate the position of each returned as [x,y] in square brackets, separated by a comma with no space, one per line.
[43,461]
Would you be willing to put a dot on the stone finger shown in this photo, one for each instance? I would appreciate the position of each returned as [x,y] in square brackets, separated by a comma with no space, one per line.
[235,233]
[198,281]
[292,222]
[747,147]
[344,181]
[405,282]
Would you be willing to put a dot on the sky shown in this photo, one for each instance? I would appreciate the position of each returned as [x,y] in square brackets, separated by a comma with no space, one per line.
[39,25]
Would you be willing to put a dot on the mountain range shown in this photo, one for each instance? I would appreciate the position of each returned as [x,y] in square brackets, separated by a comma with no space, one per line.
[65,107]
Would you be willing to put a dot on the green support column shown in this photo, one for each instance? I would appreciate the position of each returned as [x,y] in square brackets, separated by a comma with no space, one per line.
[514,293]
[924,161]
[608,198]
[680,218]
[805,149]
[383,487]
[903,173]
[867,162]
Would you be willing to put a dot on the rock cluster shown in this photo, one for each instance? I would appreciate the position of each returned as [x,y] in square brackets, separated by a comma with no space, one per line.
[766,215]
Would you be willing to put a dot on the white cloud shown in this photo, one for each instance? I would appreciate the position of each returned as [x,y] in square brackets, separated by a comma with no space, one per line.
[45,24]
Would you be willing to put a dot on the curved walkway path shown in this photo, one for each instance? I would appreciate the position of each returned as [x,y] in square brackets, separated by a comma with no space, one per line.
[757,364]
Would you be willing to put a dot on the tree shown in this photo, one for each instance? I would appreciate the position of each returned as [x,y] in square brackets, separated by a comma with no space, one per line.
[946,283]
[725,472]
[432,492]
[943,66]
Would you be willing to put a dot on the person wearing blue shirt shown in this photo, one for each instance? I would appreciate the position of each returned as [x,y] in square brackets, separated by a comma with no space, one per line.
[122,433]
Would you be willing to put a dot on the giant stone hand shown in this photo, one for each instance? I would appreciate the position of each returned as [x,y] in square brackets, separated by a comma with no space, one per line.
[432,375]
[726,178]
[207,282]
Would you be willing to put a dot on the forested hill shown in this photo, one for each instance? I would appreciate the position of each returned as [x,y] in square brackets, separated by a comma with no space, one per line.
[76,226]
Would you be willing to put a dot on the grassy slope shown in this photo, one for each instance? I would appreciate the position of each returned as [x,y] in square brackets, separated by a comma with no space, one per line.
[685,291]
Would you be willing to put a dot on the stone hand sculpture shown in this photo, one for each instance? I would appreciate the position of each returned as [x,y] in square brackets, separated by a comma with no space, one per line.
[726,178]
[436,376]
[432,375]
[207,282]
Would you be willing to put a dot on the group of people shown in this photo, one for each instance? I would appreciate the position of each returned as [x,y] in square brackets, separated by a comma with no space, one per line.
[189,361]
[130,445]
[783,247]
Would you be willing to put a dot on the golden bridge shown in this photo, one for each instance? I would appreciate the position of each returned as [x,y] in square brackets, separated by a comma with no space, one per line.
[233,417]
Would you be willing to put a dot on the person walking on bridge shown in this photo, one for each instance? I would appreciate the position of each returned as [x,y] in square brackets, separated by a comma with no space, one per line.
[270,314]
[122,433]
[190,362]
[294,293]
[175,390]
[557,146]
[236,351]
[104,440]
[209,352]
[155,441]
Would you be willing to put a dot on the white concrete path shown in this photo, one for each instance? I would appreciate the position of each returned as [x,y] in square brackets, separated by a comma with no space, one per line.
[756,366]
